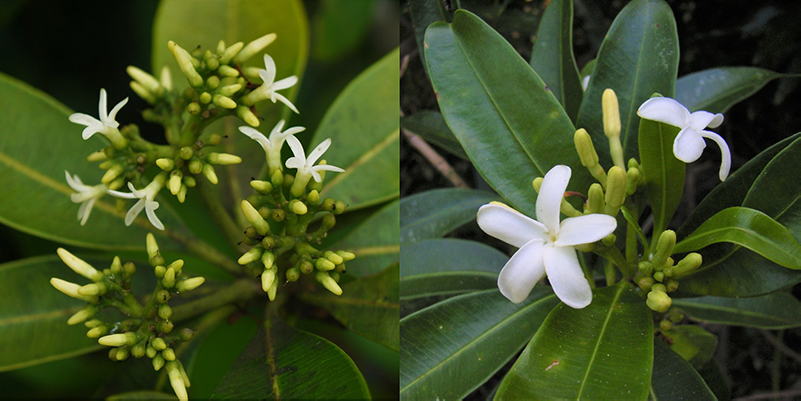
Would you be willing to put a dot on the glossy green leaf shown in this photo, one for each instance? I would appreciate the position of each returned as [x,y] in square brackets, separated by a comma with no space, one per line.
[424,13]
[281,362]
[603,351]
[368,306]
[510,125]
[481,331]
[374,242]
[716,89]
[674,378]
[638,57]
[142,395]
[662,171]
[693,343]
[38,144]
[433,214]
[431,126]
[716,380]
[448,267]
[363,125]
[776,311]
[552,57]
[339,27]
[748,228]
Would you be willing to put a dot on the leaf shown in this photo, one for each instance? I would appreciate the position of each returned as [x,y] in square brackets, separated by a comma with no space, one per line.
[339,27]
[448,267]
[716,89]
[424,13]
[674,378]
[601,351]
[431,126]
[142,395]
[368,306]
[748,228]
[510,125]
[433,214]
[776,311]
[374,242]
[715,379]
[39,143]
[552,57]
[693,343]
[482,330]
[363,125]
[638,57]
[281,362]
[662,172]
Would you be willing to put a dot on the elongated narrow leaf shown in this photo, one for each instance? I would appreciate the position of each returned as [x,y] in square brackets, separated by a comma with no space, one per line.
[510,125]
[775,311]
[663,172]
[431,126]
[748,228]
[281,362]
[552,57]
[638,57]
[433,214]
[424,13]
[604,350]
[716,89]
[482,330]
[368,306]
[674,378]
[374,242]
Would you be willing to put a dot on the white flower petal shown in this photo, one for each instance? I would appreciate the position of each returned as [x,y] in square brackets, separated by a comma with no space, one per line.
[91,130]
[328,167]
[509,225]
[293,131]
[87,209]
[123,195]
[113,115]
[297,150]
[550,197]
[285,101]
[665,110]
[522,272]
[134,211]
[285,83]
[269,68]
[688,145]
[716,121]
[318,152]
[74,183]
[150,210]
[256,136]
[84,119]
[702,119]
[567,279]
[585,229]
[725,154]
[276,131]
[101,105]
[316,176]
[296,162]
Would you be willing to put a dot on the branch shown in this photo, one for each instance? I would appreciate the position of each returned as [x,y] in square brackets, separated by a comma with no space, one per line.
[435,159]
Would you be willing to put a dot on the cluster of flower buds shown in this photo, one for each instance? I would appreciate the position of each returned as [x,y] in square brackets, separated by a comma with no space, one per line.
[147,329]
[659,275]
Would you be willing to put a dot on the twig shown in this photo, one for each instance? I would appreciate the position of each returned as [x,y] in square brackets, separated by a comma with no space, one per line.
[404,64]
[780,345]
[436,160]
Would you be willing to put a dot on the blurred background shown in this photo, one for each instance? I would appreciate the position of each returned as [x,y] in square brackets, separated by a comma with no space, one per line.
[712,33]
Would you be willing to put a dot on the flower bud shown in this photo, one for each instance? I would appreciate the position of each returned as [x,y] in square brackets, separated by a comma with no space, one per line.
[671,285]
[166,78]
[183,373]
[93,289]
[278,215]
[147,81]
[334,258]
[165,163]
[292,274]
[306,267]
[665,325]
[664,247]
[227,71]
[585,148]
[189,181]
[86,312]
[298,207]
[213,82]
[253,48]
[158,362]
[78,265]
[162,296]
[158,343]
[251,256]
[339,207]
[273,290]
[247,116]
[90,324]
[268,259]
[185,63]
[165,326]
[176,380]
[254,218]
[118,340]
[328,204]
[160,271]
[143,93]
[537,184]
[346,256]
[230,52]
[313,197]
[611,113]
[646,283]
[174,183]
[122,354]
[71,289]
[277,178]
[165,311]
[186,334]
[208,172]
[329,283]
[659,287]
[615,189]
[685,266]
[195,167]
[262,187]
[229,90]
[659,276]
[324,264]
[267,279]
[151,352]
[658,301]
[205,98]
[646,268]
[223,101]
[223,159]
[632,180]
[186,153]
[169,278]
[168,354]
[138,350]
[190,284]
[97,156]
[97,331]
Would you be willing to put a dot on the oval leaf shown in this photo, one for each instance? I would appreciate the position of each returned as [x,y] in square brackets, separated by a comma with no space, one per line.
[431,126]
[674,378]
[374,242]
[433,214]
[716,89]
[663,172]
[603,351]
[508,122]
[775,311]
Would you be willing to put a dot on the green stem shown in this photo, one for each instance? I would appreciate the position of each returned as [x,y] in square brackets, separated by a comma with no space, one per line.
[216,209]
[586,269]
[631,240]
[191,130]
[613,254]
[240,290]
[609,273]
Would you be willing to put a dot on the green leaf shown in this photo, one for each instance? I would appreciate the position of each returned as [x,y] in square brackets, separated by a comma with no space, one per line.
[716,89]
[638,57]
[424,13]
[38,144]
[339,27]
[674,378]
[374,242]
[482,330]
[363,125]
[448,267]
[715,379]
[510,125]
[142,395]
[431,126]
[368,306]
[776,311]
[601,351]
[748,228]
[433,214]
[662,171]
[281,362]
[693,343]
[552,57]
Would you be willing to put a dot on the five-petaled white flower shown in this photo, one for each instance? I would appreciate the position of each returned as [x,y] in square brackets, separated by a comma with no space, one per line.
[306,167]
[146,202]
[689,143]
[86,195]
[268,89]
[107,125]
[546,244]
[272,145]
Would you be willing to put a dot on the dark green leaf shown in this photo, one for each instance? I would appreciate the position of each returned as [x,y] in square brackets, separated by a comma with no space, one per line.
[424,13]
[674,378]
[433,214]
[638,57]
[662,171]
[374,242]
[775,311]
[693,343]
[431,126]
[716,89]
[603,351]
[715,379]
[142,395]
[552,56]
[510,125]
[339,27]
[481,331]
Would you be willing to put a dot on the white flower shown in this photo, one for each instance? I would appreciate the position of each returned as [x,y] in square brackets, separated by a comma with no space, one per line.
[268,89]
[546,245]
[272,145]
[689,142]
[86,195]
[107,125]
[145,202]
[306,167]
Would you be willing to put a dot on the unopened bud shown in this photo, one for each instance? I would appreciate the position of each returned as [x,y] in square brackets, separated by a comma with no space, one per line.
[195,167]
[632,181]
[205,98]
[262,187]
[277,178]
[230,52]
[247,116]
[93,289]
[190,284]
[193,108]
[112,173]
[174,183]
[224,159]
[97,156]
[664,247]
[324,264]
[253,216]
[158,343]
[536,184]
[671,285]
[150,352]
[615,189]
[272,291]
[147,81]
[585,148]
[186,153]
[208,172]
[646,283]
[268,259]
[186,334]
[181,194]
[658,301]
[213,82]
[71,289]
[313,197]
[298,207]
[160,271]
[169,278]
[339,207]
[162,296]
[223,101]
[611,113]
[329,283]
[659,276]
[267,279]
[227,71]
[165,163]
[166,78]
[346,256]
[143,93]
[86,312]
[687,265]
[158,362]
[334,258]
[176,380]
[229,90]
[122,354]
[165,326]
[251,256]
[165,311]
[186,64]
[138,350]
[98,331]
[306,267]
[253,48]
[78,265]
[292,274]
[118,340]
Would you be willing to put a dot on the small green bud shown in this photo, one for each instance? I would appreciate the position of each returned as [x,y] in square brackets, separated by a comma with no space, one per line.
[328,204]
[339,207]
[595,199]
[659,287]
[609,240]
[262,187]
[165,311]
[145,80]
[646,268]
[116,184]
[329,283]
[186,334]
[658,301]
[230,52]
[214,140]
[97,331]
[334,258]
[278,215]
[97,156]
[186,64]
[143,93]
[273,290]
[253,48]
[334,275]
[247,116]
[671,285]
[268,259]
[79,266]
[313,197]
[292,274]
[90,324]
[213,82]
[162,296]
[251,255]
[615,189]
[675,316]
[71,289]
[687,265]
[611,113]
[174,184]
[227,71]
[213,63]
[118,340]
[190,284]
[158,362]
[324,264]
[223,101]
[122,353]
[223,159]
[267,279]
[195,167]
[158,343]
[86,312]
[632,181]
[665,325]
[178,264]
[268,242]
[165,326]
[208,172]
[193,108]
[112,354]
[116,268]
[252,215]
[646,283]
[168,354]
[306,267]
[205,98]
[664,247]
[160,271]
[346,256]
[186,153]
[585,148]
[138,350]
[189,181]
[169,278]
[659,276]
[277,178]
[93,289]
[150,352]
[229,90]
[298,207]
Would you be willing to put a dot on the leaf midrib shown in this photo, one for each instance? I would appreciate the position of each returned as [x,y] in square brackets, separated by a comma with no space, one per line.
[728,309]
[763,239]
[361,161]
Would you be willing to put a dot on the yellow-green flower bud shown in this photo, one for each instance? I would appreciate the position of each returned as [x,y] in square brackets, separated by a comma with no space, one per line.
[671,285]
[313,197]
[224,159]
[253,48]
[339,207]
[168,354]
[609,240]
[292,274]
[79,266]
[346,256]
[251,256]
[165,311]
[324,264]
[213,82]
[205,98]
[227,71]
[165,326]
[208,172]
[186,334]
[160,271]
[165,163]
[230,52]
[183,373]
[145,80]
[138,350]
[98,331]
[615,189]
[262,187]
[229,90]
[537,183]
[659,276]
[195,167]
[86,312]
[268,259]
[632,180]
[646,283]
[267,279]
[646,268]
[158,362]
[659,287]
[186,153]
[143,93]
[118,340]
[158,343]
[97,156]
[665,325]
[334,258]
[91,324]
[298,207]
[186,64]
[122,354]
[687,265]
[595,199]
[190,284]
[169,278]
[254,218]
[177,381]
[611,113]
[71,289]
[329,283]
[223,101]
[585,148]
[165,78]
[174,184]
[189,181]
[306,267]
[247,116]
[664,247]
[193,108]
[658,301]
[93,289]
[112,173]
[272,291]
[150,352]
[162,296]
[181,195]
[277,178]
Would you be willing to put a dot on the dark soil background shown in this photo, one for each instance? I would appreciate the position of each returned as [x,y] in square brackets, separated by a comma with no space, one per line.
[713,33]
